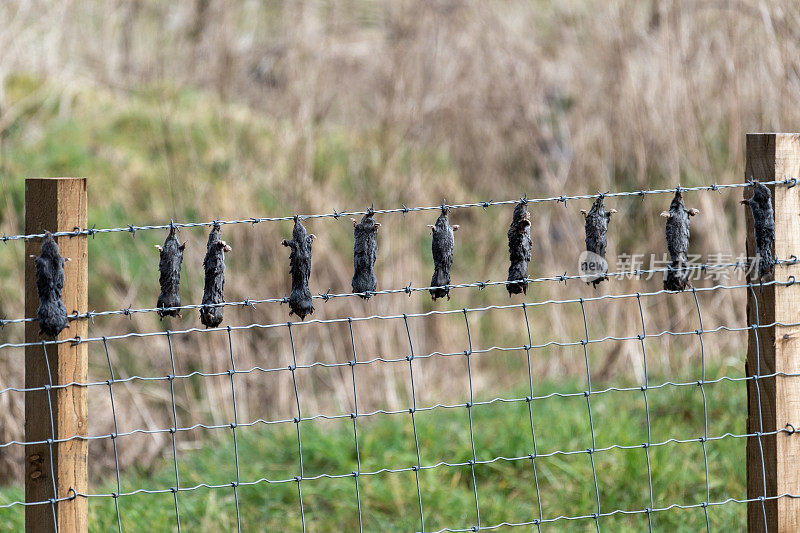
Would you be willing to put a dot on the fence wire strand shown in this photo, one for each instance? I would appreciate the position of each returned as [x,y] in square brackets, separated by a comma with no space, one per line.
[133,229]
[358,416]
[408,289]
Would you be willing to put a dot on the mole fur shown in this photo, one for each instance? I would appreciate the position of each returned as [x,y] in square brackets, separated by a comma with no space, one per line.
[300,269]
[596,226]
[764,227]
[52,314]
[169,267]
[442,248]
[214,266]
[519,249]
[677,233]
[365,251]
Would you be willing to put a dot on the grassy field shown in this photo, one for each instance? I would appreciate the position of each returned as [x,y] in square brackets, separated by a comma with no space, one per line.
[195,111]
[506,489]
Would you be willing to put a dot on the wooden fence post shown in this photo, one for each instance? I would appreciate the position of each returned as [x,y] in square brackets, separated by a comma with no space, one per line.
[773,461]
[56,204]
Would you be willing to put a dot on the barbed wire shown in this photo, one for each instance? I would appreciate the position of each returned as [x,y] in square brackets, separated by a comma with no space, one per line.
[133,229]
[408,289]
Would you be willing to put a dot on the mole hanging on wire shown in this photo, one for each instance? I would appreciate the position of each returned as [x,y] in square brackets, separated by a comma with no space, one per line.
[594,266]
[365,251]
[51,314]
[519,248]
[442,247]
[214,266]
[300,269]
[676,277]
[169,267]
[763,227]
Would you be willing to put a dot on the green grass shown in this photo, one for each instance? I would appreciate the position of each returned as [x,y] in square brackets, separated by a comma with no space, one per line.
[506,489]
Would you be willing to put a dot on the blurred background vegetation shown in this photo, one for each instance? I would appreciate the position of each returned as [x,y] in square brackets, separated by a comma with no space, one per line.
[205,109]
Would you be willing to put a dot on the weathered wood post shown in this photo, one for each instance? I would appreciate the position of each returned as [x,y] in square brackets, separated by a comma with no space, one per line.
[56,204]
[773,461]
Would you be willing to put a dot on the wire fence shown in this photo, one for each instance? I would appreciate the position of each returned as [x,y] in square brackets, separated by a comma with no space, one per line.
[411,358]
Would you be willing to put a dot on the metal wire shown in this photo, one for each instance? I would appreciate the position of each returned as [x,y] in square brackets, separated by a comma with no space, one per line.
[472,356]
[529,401]
[392,317]
[472,463]
[588,393]
[394,360]
[113,436]
[133,229]
[645,386]
[412,410]
[235,484]
[252,302]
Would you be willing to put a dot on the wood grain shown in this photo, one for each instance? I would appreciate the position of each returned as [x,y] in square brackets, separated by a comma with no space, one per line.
[56,204]
[773,460]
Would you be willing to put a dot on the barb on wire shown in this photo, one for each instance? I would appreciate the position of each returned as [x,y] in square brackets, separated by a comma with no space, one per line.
[408,289]
[132,229]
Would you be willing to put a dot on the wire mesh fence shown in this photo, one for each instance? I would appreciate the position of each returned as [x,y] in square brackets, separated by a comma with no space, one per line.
[532,465]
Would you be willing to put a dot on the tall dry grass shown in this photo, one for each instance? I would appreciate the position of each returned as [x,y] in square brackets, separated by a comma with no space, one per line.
[394,102]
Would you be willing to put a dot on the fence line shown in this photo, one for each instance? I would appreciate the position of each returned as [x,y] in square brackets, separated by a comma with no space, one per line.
[417,465]
[132,229]
[175,429]
[789,429]
[80,340]
[251,302]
